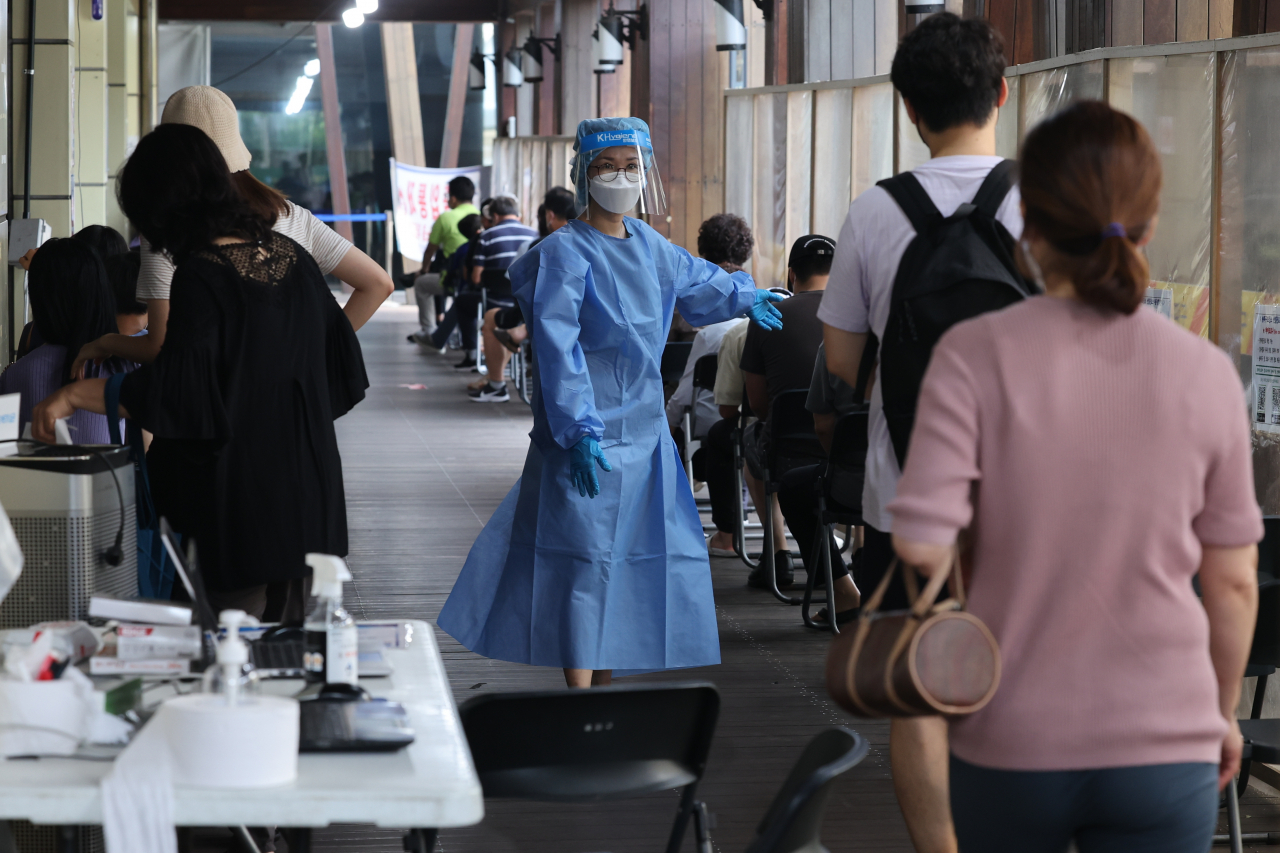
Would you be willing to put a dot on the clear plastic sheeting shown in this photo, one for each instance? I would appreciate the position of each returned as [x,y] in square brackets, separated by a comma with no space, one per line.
[1007,122]
[872,136]
[1173,98]
[1045,92]
[832,170]
[528,166]
[769,205]
[738,156]
[799,167]
[1249,225]
[912,151]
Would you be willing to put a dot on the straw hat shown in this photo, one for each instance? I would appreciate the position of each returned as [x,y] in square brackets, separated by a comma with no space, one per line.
[213,112]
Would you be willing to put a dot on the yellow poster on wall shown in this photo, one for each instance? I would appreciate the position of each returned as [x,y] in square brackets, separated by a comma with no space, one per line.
[1185,304]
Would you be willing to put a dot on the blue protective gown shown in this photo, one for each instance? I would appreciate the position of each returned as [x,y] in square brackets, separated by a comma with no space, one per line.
[620,582]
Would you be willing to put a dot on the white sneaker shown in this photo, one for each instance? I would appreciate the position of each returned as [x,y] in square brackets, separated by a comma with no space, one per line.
[488,394]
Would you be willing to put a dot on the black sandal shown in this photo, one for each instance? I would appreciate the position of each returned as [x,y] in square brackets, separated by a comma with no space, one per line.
[844,617]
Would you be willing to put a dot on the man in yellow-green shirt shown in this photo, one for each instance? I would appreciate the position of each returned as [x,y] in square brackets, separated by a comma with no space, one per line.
[446,239]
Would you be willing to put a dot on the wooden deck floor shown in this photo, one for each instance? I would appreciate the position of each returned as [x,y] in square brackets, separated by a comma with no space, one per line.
[424,470]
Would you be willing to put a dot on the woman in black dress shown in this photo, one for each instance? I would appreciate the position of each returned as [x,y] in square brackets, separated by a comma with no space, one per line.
[258,362]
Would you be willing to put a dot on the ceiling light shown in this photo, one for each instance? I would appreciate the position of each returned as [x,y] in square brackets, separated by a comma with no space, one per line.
[312,68]
[367,7]
[299,96]
[511,74]
[353,18]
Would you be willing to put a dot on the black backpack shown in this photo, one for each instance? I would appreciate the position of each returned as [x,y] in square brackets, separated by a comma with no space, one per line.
[955,268]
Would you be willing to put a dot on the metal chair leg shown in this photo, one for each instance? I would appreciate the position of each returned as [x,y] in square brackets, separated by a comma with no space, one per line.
[821,545]
[420,841]
[687,424]
[1233,820]
[687,807]
[740,529]
[770,551]
[702,826]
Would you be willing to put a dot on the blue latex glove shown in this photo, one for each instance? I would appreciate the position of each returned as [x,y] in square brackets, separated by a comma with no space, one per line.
[763,313]
[583,458]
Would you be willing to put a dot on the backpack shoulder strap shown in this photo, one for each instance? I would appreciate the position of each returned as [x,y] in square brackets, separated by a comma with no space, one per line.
[995,188]
[914,201]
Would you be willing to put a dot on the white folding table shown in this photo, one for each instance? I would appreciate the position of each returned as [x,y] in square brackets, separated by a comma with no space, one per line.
[429,785]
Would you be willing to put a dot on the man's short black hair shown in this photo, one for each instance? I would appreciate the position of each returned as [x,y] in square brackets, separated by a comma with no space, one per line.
[950,69]
[807,267]
[462,188]
[561,202]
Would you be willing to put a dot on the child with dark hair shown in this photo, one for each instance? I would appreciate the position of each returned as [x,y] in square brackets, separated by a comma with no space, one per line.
[72,305]
[103,239]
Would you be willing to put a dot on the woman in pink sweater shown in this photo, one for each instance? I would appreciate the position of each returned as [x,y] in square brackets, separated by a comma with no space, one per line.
[1101,456]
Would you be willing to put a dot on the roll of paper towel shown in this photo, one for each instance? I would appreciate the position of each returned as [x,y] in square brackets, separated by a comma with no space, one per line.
[253,744]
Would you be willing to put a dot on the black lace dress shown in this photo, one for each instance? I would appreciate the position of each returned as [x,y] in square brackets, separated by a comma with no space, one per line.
[257,362]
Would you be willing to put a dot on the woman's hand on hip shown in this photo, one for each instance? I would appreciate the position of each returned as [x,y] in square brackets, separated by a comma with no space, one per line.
[1232,749]
[48,411]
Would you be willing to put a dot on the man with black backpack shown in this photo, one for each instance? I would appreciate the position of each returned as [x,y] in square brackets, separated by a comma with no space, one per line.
[919,253]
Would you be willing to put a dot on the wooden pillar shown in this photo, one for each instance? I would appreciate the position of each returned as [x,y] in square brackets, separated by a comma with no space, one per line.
[578,20]
[404,109]
[120,70]
[335,152]
[456,106]
[776,43]
[546,93]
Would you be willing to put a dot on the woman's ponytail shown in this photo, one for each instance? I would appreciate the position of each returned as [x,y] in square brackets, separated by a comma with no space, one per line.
[1090,179]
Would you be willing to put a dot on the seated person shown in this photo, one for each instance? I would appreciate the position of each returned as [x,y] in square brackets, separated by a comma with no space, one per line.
[830,398]
[504,331]
[122,274]
[717,451]
[456,272]
[725,240]
[72,304]
[496,247]
[446,237]
[782,360]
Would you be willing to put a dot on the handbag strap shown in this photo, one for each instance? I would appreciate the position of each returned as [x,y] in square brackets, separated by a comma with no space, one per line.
[921,601]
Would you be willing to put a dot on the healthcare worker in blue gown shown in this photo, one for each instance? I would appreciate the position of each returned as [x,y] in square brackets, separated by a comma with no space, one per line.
[595,561]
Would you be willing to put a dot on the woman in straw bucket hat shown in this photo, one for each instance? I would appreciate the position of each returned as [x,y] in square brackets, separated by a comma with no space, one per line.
[210,110]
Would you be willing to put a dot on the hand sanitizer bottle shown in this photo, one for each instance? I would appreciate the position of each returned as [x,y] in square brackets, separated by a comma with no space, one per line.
[332,644]
[233,677]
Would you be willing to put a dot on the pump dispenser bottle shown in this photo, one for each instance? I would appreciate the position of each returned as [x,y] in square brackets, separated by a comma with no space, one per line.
[233,678]
[332,644]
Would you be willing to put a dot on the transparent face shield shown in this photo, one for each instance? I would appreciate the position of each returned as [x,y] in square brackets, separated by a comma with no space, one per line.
[623,177]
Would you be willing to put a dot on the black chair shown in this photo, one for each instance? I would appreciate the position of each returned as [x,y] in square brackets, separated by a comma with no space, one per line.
[789,441]
[606,743]
[793,823]
[675,355]
[839,500]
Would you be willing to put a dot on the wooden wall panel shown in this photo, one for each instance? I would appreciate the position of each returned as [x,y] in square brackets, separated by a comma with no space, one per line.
[1126,22]
[1159,21]
[578,83]
[1193,20]
[545,98]
[1025,35]
[842,45]
[817,46]
[662,77]
[1002,14]
[688,130]
[1220,18]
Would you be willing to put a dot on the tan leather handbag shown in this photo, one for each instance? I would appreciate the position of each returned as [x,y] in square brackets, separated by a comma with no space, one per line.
[935,658]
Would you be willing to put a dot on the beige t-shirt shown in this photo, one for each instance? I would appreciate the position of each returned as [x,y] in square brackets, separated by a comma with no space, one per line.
[728,390]
[322,242]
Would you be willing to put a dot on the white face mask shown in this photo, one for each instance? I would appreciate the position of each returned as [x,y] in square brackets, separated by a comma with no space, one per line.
[617,196]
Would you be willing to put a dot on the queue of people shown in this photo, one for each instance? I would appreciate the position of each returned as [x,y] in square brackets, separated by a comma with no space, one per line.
[1088,456]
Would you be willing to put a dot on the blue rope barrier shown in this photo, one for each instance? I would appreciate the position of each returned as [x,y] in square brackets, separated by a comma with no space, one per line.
[351,217]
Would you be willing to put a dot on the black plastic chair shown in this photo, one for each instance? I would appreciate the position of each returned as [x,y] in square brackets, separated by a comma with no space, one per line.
[606,743]
[839,501]
[675,355]
[793,823]
[789,441]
